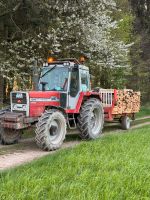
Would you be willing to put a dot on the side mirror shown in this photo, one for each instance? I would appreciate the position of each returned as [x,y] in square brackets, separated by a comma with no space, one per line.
[43,85]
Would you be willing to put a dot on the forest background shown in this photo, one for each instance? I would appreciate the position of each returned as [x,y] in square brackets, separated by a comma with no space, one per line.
[114,36]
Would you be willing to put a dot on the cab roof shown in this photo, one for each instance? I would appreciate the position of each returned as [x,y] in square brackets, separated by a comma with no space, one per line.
[70,62]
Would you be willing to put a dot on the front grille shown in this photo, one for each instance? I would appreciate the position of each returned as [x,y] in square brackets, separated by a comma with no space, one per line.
[20,102]
[19,99]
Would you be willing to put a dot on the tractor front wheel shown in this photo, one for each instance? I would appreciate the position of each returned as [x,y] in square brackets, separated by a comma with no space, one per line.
[51,130]
[91,119]
[9,136]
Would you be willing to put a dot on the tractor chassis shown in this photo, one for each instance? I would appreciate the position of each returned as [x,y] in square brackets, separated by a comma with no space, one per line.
[18,121]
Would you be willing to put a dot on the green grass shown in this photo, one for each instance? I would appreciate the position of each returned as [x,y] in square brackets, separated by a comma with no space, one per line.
[145,111]
[113,167]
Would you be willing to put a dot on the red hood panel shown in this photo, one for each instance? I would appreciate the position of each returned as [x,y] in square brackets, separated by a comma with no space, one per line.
[39,100]
[45,94]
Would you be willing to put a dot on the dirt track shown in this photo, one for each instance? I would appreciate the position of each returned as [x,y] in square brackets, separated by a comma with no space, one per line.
[26,150]
[19,157]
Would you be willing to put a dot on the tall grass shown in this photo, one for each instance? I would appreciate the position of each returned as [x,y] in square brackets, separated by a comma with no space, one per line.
[113,167]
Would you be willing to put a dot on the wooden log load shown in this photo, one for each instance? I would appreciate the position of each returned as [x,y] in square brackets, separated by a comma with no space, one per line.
[128,101]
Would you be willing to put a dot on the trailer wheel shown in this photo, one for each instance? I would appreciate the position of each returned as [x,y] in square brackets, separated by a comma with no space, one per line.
[9,136]
[125,122]
[91,119]
[51,130]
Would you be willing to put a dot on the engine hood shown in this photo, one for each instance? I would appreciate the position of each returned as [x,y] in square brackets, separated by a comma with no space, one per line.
[44,96]
[33,103]
[39,100]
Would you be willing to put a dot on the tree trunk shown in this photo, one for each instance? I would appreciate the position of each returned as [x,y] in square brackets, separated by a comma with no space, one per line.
[1,90]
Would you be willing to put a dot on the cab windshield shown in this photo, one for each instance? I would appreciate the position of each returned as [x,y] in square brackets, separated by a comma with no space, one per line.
[54,78]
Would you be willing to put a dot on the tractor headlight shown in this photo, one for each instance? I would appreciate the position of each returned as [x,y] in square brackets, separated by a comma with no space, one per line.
[66,63]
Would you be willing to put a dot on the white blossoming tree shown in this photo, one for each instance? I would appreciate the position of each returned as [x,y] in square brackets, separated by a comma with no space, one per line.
[74,28]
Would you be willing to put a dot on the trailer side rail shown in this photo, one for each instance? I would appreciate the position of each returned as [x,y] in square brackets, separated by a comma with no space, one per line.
[107,97]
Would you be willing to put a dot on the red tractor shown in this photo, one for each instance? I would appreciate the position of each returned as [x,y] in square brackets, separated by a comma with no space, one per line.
[64,99]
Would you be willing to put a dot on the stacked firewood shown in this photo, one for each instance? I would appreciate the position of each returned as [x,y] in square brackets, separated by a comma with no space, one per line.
[127,102]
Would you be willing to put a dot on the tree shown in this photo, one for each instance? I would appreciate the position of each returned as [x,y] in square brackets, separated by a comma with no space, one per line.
[140,55]
[69,28]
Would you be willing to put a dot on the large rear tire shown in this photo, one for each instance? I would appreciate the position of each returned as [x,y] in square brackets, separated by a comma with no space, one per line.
[91,119]
[9,136]
[51,130]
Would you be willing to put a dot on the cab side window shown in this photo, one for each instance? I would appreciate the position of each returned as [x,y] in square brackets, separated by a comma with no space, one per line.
[84,81]
[74,82]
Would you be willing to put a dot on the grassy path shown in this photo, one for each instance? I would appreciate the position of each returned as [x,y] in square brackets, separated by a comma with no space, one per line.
[26,150]
[113,167]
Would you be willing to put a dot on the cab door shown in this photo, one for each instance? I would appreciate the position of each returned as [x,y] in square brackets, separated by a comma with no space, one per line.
[74,88]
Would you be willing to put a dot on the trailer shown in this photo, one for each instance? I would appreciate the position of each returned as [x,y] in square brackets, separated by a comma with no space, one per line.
[120,105]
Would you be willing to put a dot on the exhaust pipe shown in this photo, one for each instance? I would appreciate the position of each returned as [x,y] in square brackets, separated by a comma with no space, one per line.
[35,75]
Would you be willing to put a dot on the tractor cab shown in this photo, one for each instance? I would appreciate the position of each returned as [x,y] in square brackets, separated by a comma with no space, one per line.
[68,77]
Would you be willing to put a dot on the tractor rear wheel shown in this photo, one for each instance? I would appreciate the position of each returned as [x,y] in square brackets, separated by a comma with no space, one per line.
[9,136]
[51,130]
[91,119]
